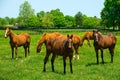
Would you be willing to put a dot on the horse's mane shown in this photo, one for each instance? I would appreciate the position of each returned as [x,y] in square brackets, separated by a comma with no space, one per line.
[99,36]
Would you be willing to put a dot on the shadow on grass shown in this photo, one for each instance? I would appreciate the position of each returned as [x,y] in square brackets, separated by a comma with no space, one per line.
[9,58]
[92,64]
[56,72]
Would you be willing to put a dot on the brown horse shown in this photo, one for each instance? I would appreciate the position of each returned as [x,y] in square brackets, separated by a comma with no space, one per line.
[100,43]
[44,39]
[76,41]
[17,41]
[58,46]
[88,36]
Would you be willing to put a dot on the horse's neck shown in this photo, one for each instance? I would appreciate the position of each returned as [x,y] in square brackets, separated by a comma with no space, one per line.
[41,42]
[83,38]
[12,35]
[100,38]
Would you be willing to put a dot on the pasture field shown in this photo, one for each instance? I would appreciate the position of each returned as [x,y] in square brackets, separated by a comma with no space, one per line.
[31,68]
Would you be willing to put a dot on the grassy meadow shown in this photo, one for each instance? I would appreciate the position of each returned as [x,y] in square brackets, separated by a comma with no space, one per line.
[31,68]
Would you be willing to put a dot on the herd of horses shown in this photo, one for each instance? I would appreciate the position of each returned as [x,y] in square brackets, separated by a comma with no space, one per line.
[58,44]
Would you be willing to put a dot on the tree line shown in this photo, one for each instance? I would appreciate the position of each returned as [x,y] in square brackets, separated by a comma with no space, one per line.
[110,18]
[51,19]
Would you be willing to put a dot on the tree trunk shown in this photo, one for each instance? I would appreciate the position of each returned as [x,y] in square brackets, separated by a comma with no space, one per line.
[113,28]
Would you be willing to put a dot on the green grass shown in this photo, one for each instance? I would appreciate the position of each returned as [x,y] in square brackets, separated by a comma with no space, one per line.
[30,68]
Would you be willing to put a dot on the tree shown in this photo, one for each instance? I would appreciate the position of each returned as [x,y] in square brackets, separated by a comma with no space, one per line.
[12,21]
[78,19]
[58,18]
[25,13]
[33,22]
[47,20]
[69,21]
[40,14]
[3,22]
[111,13]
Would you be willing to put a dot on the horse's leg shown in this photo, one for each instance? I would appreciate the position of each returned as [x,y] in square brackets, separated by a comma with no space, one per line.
[16,49]
[52,62]
[112,53]
[28,49]
[45,61]
[76,51]
[96,50]
[102,56]
[88,42]
[12,48]
[70,57]
[64,62]
[25,48]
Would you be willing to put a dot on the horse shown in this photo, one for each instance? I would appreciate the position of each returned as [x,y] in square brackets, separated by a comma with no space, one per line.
[44,39]
[58,46]
[76,41]
[16,41]
[88,36]
[104,42]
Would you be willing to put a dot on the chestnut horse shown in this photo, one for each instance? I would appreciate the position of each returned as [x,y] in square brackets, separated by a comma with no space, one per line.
[88,36]
[100,43]
[17,41]
[44,39]
[76,41]
[58,46]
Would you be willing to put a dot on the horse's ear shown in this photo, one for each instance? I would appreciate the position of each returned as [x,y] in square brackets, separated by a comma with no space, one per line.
[68,35]
[9,28]
[93,31]
[72,36]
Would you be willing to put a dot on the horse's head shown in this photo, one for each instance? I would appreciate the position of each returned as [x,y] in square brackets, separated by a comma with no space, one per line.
[69,41]
[96,35]
[7,32]
[38,49]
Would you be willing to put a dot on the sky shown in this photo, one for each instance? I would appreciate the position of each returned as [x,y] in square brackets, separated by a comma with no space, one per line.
[90,8]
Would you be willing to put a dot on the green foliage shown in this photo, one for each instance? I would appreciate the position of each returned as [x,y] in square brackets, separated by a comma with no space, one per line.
[12,21]
[78,19]
[111,13]
[69,21]
[58,18]
[32,22]
[25,13]
[40,14]
[51,19]
[3,22]
[47,20]
[91,22]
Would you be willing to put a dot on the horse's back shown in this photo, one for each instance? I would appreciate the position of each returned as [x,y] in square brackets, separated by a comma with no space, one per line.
[48,36]
[56,45]
[113,38]
[109,40]
[24,37]
[76,39]
[88,35]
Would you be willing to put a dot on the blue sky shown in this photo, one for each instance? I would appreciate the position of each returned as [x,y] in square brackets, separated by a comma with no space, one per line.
[91,8]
